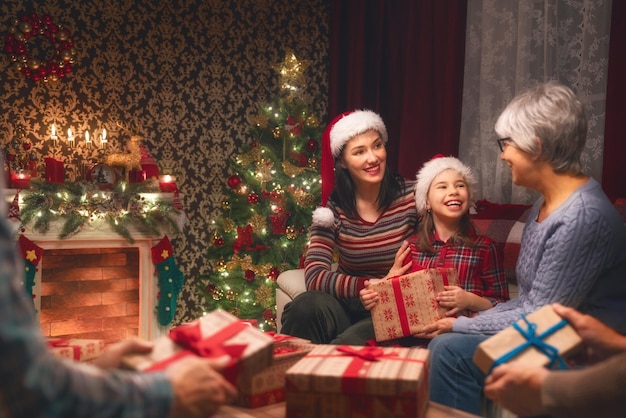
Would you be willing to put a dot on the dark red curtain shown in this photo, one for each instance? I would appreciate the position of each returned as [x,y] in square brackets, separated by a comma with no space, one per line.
[614,137]
[404,60]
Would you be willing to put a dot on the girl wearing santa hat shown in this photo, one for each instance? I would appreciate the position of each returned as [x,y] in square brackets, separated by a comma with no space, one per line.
[447,239]
[367,212]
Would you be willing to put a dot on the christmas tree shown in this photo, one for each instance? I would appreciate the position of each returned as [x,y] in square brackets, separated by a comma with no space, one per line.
[272,190]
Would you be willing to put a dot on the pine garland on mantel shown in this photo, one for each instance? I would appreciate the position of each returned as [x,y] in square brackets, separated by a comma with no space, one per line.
[76,204]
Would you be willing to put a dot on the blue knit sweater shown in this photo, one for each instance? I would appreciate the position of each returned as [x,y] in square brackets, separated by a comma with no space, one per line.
[576,256]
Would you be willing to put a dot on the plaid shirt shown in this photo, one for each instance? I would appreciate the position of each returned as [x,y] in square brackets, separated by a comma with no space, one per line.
[480,264]
[35,383]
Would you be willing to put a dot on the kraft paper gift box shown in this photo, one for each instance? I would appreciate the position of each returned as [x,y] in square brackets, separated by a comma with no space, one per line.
[407,303]
[211,336]
[268,386]
[350,381]
[76,348]
[541,338]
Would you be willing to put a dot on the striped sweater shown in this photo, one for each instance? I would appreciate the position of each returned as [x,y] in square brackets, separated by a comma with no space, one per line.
[366,250]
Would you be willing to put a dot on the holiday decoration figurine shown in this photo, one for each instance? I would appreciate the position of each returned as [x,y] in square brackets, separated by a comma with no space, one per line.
[171,280]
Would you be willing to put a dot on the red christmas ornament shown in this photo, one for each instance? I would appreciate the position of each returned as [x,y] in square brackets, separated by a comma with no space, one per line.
[234,181]
[311,145]
[253,198]
[249,275]
[273,274]
[268,314]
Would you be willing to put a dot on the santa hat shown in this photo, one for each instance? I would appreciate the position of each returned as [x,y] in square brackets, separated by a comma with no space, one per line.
[340,130]
[432,169]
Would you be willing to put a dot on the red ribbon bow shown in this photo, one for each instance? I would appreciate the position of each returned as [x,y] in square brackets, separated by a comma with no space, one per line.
[189,337]
[366,353]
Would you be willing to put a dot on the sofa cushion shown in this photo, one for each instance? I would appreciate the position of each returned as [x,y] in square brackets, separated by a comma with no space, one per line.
[504,224]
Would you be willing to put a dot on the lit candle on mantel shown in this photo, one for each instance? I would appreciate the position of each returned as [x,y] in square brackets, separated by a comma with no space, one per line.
[53,135]
[87,140]
[167,184]
[103,138]
[70,138]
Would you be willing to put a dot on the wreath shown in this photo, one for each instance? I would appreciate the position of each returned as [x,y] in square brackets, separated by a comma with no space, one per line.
[18,43]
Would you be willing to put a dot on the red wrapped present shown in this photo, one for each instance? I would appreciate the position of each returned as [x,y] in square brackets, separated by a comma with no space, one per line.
[216,334]
[76,348]
[349,381]
[541,338]
[268,386]
[407,303]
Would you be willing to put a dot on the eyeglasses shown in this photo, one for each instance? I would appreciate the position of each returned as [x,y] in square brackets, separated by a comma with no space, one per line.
[503,142]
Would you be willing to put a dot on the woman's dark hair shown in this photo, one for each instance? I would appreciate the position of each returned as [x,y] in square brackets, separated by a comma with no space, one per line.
[344,197]
[427,226]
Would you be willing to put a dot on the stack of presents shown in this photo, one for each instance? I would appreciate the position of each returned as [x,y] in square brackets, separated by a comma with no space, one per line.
[349,381]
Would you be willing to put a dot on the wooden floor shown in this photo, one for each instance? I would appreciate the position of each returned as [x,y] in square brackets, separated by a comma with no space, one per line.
[278,411]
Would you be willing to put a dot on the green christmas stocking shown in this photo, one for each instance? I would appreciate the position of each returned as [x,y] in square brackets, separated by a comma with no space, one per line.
[31,254]
[171,280]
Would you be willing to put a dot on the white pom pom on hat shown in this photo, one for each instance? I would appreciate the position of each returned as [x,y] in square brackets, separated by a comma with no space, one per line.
[431,169]
[340,130]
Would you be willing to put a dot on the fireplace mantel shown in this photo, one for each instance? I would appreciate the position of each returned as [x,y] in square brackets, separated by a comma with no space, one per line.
[98,234]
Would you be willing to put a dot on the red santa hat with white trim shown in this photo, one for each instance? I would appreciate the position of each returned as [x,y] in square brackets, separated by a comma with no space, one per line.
[340,130]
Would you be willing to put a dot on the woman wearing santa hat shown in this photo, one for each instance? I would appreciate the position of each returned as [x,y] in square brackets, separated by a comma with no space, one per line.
[366,214]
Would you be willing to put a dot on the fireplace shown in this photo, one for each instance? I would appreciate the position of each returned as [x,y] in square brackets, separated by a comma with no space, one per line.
[114,284]
[90,293]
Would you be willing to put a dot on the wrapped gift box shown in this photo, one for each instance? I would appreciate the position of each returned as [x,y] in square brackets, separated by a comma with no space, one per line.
[213,335]
[76,348]
[268,386]
[349,381]
[407,303]
[534,340]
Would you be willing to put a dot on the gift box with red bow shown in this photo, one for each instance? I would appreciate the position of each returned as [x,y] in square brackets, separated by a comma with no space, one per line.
[76,348]
[216,334]
[349,381]
[407,303]
[268,386]
[541,338]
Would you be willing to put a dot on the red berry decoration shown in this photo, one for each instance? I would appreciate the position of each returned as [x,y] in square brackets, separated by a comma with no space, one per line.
[253,198]
[249,275]
[273,274]
[311,145]
[234,181]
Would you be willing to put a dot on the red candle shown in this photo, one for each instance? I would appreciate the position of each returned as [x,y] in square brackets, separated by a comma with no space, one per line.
[167,184]
[20,180]
[55,170]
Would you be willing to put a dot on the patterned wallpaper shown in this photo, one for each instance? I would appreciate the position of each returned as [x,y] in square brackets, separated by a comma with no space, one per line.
[188,73]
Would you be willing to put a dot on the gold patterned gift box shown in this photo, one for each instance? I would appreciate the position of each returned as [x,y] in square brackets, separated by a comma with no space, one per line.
[350,381]
[407,303]
[76,348]
[268,386]
[213,335]
[541,338]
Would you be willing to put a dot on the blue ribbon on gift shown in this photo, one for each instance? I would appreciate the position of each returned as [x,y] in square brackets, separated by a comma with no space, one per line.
[534,340]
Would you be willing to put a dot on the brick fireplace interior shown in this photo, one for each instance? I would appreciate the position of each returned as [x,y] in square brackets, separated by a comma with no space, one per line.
[90,293]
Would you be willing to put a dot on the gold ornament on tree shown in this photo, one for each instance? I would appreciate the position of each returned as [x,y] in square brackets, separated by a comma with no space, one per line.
[312,163]
[247,158]
[292,170]
[258,223]
[225,204]
[291,232]
[291,71]
[264,295]
[228,225]
[303,199]
[220,264]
